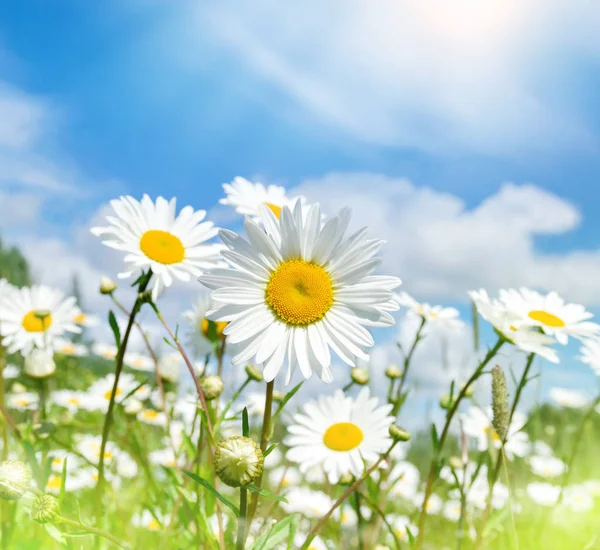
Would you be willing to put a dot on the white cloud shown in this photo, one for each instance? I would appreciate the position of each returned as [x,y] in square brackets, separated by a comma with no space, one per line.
[436,75]
[440,248]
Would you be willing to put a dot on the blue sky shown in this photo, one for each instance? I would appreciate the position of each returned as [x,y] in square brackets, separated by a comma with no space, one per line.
[176,98]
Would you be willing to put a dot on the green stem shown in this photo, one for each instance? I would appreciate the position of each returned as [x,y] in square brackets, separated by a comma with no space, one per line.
[437,453]
[345,495]
[407,360]
[241,534]
[359,522]
[381,515]
[93,530]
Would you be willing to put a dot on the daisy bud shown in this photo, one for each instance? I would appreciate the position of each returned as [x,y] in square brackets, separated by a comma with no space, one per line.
[107,286]
[360,376]
[470,390]
[456,463]
[253,373]
[132,406]
[347,479]
[500,402]
[393,372]
[17,387]
[398,433]
[238,461]
[45,508]
[212,386]
[14,479]
[447,402]
[39,363]
[278,395]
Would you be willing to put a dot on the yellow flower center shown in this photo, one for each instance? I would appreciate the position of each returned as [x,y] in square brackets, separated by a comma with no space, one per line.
[74,401]
[274,208]
[494,435]
[546,318]
[37,321]
[219,327]
[108,354]
[343,436]
[149,414]
[154,525]
[23,402]
[117,393]
[80,318]
[299,292]
[162,247]
[54,482]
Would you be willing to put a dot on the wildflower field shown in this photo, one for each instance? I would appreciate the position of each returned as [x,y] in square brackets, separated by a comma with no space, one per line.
[208,436]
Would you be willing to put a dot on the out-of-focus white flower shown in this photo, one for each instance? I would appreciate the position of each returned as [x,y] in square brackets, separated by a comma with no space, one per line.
[150,416]
[404,480]
[312,504]
[106,351]
[578,498]
[39,363]
[199,332]
[547,466]
[452,510]
[170,366]
[284,477]
[86,320]
[446,317]
[23,400]
[10,371]
[138,361]
[568,398]
[434,503]
[401,525]
[146,520]
[590,354]
[66,347]
[544,494]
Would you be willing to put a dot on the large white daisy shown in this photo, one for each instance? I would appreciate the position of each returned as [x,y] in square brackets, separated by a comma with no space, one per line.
[523,336]
[247,197]
[35,316]
[297,289]
[339,433]
[550,313]
[154,237]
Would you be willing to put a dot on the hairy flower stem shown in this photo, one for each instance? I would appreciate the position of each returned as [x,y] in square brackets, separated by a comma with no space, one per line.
[264,441]
[442,439]
[111,404]
[345,495]
[241,534]
[94,531]
[500,459]
[407,360]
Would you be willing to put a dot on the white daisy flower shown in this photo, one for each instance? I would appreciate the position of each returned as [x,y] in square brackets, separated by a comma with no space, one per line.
[86,320]
[550,313]
[147,520]
[138,361]
[479,491]
[166,457]
[312,504]
[452,510]
[66,347]
[434,505]
[75,400]
[106,351]
[541,448]
[247,197]
[39,363]
[34,316]
[150,416]
[339,432]
[590,354]
[478,424]
[198,334]
[547,466]
[284,477]
[170,366]
[578,498]
[297,289]
[153,237]
[23,401]
[58,460]
[101,389]
[446,317]
[568,398]
[544,494]
[401,525]
[404,480]
[10,371]
[506,322]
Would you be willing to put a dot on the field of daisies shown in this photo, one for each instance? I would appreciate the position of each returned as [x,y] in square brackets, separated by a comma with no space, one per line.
[210,438]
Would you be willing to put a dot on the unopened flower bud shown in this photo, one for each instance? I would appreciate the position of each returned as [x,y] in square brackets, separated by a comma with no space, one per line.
[253,373]
[359,376]
[107,286]
[212,386]
[393,372]
[17,387]
[346,479]
[447,402]
[278,395]
[469,391]
[238,461]
[501,415]
[39,363]
[14,479]
[456,463]
[45,508]
[398,433]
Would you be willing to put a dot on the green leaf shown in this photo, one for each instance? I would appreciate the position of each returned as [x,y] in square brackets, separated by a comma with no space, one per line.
[55,533]
[63,481]
[245,423]
[264,493]
[280,532]
[434,438]
[270,450]
[216,493]
[112,321]
[284,401]
[411,537]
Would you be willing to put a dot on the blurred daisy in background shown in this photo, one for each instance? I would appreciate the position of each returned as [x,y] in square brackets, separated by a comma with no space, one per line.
[106,351]
[200,327]
[547,466]
[247,197]
[66,347]
[446,317]
[568,398]
[34,316]
[23,400]
[155,238]
[297,289]
[312,504]
[339,432]
[86,320]
[138,361]
[542,493]
[590,354]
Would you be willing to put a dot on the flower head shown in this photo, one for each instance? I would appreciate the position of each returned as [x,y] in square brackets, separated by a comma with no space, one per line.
[45,508]
[39,363]
[238,461]
[297,289]
[14,479]
[154,237]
